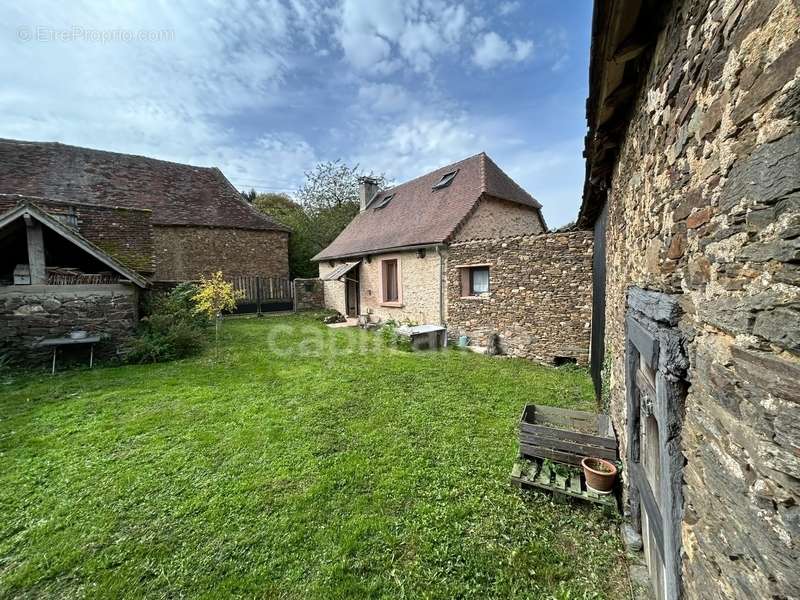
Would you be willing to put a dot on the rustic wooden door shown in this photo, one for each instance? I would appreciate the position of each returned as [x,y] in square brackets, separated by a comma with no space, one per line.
[352,297]
[655,386]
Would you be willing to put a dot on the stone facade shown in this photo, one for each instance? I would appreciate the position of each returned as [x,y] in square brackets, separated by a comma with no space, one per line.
[186,253]
[493,218]
[419,287]
[32,312]
[333,291]
[540,294]
[704,204]
[419,283]
[309,294]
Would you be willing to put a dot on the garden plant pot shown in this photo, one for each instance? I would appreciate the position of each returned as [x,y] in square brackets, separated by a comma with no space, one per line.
[599,473]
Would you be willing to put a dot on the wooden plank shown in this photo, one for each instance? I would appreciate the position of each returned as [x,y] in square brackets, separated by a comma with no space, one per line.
[560,481]
[516,470]
[575,436]
[645,386]
[654,518]
[564,414]
[36,260]
[645,343]
[555,455]
[543,476]
[568,446]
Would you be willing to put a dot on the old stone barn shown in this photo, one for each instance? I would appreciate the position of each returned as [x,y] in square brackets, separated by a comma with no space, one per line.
[83,231]
[693,193]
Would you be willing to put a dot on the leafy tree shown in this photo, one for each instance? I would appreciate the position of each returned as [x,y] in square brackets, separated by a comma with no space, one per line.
[321,209]
[215,295]
[250,196]
[286,211]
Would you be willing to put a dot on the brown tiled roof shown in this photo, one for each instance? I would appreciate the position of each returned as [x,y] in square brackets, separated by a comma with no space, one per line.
[177,194]
[418,215]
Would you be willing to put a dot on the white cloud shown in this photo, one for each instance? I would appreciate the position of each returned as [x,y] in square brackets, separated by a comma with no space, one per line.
[168,98]
[385,97]
[380,37]
[413,147]
[506,8]
[492,50]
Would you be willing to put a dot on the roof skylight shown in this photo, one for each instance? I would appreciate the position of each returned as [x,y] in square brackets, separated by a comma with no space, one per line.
[384,201]
[446,180]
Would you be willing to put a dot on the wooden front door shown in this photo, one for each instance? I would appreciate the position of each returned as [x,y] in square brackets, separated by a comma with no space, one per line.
[352,293]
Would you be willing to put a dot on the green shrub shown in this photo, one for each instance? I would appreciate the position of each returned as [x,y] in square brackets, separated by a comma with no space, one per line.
[171,329]
[392,338]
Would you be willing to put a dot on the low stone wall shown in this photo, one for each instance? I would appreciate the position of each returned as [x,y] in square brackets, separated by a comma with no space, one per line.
[309,294]
[30,313]
[540,294]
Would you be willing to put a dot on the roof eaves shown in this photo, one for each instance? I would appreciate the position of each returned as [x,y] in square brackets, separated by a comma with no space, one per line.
[357,254]
[29,208]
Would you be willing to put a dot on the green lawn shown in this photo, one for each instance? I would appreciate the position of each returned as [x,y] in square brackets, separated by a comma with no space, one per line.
[302,463]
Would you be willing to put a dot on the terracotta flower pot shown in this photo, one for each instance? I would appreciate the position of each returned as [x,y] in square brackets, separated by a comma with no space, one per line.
[599,473]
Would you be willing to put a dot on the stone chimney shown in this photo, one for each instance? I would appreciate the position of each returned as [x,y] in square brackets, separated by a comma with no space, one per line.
[367,186]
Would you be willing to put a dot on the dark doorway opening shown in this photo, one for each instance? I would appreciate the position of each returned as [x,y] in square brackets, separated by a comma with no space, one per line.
[352,293]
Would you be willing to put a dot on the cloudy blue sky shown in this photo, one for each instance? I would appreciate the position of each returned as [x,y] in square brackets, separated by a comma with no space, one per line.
[264,90]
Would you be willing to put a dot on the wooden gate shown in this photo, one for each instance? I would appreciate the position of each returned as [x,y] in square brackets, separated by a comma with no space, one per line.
[262,294]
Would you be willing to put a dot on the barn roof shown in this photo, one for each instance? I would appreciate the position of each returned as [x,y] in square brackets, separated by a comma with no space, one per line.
[177,194]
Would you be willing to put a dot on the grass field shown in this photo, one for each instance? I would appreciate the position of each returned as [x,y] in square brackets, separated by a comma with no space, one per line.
[300,463]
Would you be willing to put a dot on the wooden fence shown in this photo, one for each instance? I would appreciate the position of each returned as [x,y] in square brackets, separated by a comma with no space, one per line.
[262,293]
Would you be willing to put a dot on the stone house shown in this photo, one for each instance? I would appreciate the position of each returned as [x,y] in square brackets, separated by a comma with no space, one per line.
[83,231]
[693,195]
[391,261]
[540,298]
[200,223]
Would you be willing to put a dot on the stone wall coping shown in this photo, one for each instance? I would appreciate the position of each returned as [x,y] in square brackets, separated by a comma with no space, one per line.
[90,288]
[528,236]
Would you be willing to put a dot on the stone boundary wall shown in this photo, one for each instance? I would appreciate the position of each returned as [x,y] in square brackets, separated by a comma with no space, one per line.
[309,294]
[704,204]
[540,298]
[32,312]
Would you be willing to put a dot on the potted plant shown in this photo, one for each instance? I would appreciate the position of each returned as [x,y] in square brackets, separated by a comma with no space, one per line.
[599,473]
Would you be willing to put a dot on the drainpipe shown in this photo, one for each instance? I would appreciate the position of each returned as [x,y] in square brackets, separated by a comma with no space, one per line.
[441,290]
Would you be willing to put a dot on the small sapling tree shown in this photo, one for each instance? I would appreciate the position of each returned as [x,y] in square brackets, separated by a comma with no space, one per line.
[214,296]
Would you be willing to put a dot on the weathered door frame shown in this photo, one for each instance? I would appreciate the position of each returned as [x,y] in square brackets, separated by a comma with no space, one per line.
[352,282]
[653,339]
